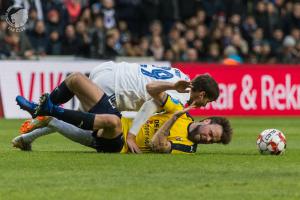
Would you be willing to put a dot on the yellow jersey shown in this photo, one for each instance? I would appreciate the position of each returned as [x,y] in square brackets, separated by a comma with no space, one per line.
[178,133]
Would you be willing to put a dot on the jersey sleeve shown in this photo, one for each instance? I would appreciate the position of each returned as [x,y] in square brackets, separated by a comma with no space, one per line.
[177,148]
[172,105]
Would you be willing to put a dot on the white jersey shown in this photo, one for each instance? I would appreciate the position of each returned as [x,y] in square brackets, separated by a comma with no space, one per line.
[127,81]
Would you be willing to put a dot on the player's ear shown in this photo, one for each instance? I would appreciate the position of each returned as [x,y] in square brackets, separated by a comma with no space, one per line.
[207,121]
[202,94]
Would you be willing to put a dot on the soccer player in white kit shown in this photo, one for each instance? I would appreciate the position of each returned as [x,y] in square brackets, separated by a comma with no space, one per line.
[125,85]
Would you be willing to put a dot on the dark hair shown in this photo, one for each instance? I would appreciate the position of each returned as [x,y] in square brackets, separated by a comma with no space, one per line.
[227,130]
[207,84]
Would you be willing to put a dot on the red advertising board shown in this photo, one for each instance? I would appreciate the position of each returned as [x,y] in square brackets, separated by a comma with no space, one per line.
[249,90]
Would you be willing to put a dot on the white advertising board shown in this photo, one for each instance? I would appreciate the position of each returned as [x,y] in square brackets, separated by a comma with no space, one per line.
[33,78]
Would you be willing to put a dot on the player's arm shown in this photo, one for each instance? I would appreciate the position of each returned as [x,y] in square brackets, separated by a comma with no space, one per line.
[159,142]
[145,112]
[157,89]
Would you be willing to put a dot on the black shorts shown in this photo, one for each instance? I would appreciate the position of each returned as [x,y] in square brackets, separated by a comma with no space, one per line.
[104,145]
[105,106]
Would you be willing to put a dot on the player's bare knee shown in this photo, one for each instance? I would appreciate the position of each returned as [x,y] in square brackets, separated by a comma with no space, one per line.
[116,122]
[74,79]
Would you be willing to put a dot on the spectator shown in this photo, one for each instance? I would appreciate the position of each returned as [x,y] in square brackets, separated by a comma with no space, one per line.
[97,47]
[32,19]
[73,9]
[173,37]
[248,28]
[191,55]
[289,51]
[201,17]
[213,53]
[70,43]
[110,52]
[231,56]
[117,40]
[295,33]
[276,42]
[125,35]
[198,44]
[190,37]
[169,55]
[157,48]
[56,5]
[17,46]
[274,19]
[143,48]
[292,19]
[3,28]
[240,45]
[261,16]
[235,22]
[53,22]
[54,45]
[263,53]
[216,36]
[156,29]
[38,38]
[258,37]
[201,33]
[255,30]
[83,39]
[86,17]
[109,14]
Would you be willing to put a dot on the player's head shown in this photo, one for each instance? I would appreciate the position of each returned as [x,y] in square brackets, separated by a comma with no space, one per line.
[205,89]
[211,130]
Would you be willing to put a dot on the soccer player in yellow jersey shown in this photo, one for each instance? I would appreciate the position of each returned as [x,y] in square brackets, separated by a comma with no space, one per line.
[171,132]
[178,137]
[175,131]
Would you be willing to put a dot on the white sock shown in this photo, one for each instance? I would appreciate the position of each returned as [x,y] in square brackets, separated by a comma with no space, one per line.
[73,133]
[31,136]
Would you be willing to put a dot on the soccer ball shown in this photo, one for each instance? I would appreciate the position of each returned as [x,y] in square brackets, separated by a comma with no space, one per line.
[271,141]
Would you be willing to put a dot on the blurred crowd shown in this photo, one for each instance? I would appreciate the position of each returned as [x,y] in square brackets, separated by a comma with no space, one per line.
[213,31]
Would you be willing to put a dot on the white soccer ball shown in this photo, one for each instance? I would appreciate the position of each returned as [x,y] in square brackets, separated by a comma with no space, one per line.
[271,141]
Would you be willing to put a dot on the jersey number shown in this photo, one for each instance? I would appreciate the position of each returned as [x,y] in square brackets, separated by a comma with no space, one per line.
[157,73]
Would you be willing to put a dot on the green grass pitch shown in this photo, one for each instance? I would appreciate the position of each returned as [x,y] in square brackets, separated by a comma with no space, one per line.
[60,169]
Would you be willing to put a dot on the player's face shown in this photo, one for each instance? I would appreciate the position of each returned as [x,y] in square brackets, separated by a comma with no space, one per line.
[206,133]
[199,99]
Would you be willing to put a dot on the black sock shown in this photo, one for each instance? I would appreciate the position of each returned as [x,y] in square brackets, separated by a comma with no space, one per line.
[83,120]
[61,94]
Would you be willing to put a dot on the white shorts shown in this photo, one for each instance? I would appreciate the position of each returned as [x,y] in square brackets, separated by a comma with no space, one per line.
[104,77]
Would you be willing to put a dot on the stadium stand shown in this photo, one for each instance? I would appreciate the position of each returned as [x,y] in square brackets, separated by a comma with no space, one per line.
[241,31]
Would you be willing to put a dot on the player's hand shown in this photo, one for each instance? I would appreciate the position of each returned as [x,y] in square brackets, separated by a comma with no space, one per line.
[132,146]
[185,110]
[182,86]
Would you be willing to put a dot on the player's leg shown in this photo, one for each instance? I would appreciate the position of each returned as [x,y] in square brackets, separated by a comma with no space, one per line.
[24,141]
[88,94]
[77,84]
[88,138]
[85,90]
[69,131]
